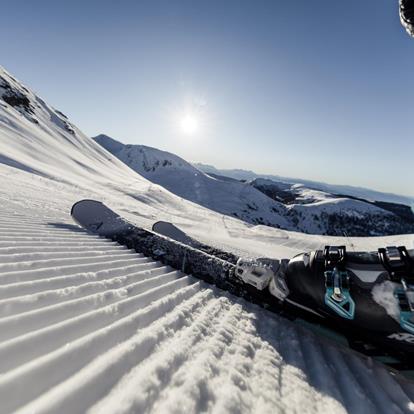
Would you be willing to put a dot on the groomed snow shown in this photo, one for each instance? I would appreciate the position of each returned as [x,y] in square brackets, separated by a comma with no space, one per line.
[89,326]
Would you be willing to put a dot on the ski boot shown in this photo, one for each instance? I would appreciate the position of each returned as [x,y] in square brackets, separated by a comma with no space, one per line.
[367,294]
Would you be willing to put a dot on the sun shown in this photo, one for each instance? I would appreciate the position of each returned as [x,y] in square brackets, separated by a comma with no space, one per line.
[189,124]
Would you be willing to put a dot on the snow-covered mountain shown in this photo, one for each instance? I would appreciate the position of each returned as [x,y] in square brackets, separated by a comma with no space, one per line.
[40,139]
[314,210]
[232,198]
[360,192]
[261,201]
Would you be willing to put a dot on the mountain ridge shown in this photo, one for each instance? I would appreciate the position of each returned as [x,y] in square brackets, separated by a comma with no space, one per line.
[310,211]
[348,190]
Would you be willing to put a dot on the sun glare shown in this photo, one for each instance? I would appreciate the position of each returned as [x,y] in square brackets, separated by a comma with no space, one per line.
[189,124]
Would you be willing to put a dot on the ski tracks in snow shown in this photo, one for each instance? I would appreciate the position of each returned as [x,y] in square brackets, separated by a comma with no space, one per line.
[89,326]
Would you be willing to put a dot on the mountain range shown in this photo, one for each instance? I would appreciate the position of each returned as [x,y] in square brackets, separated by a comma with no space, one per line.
[359,192]
[281,204]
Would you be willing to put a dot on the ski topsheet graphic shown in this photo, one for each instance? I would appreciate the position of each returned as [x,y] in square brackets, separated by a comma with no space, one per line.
[364,299]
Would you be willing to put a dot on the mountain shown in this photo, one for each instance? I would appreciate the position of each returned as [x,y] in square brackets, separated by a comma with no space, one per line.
[261,201]
[233,198]
[298,194]
[41,143]
[39,139]
[347,190]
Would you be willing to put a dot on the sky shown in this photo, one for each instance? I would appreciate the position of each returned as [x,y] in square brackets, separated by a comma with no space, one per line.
[320,90]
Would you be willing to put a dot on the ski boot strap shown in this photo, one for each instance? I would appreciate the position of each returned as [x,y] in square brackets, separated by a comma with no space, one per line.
[337,295]
[335,257]
[400,267]
[398,263]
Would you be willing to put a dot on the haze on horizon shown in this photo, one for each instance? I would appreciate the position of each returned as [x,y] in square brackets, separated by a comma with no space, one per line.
[298,89]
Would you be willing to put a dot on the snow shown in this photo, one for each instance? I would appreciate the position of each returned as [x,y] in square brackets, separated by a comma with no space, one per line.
[87,325]
[384,295]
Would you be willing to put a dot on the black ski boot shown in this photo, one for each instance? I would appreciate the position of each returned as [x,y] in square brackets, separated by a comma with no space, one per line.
[368,294]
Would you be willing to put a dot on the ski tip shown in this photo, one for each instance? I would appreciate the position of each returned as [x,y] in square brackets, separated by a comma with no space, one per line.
[72,210]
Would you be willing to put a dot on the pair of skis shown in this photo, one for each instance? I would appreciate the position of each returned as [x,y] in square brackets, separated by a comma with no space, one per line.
[255,281]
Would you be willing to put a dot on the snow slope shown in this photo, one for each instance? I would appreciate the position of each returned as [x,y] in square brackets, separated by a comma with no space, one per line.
[88,326]
[291,193]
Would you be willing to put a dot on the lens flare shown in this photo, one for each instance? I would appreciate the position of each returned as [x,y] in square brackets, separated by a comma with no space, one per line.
[189,124]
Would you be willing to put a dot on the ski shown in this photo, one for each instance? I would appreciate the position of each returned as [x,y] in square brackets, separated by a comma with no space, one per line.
[334,293]
[171,231]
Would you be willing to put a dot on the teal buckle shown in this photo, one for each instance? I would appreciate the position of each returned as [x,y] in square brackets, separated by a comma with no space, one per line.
[406,307]
[337,295]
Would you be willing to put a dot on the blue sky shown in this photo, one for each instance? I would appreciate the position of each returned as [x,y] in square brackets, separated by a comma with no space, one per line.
[320,89]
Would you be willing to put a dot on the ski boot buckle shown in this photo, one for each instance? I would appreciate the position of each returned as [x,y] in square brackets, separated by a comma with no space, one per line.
[337,295]
[404,296]
[400,267]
